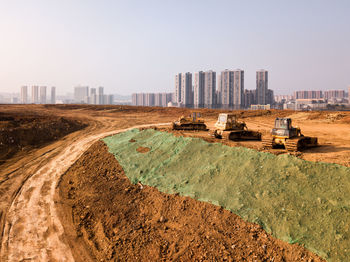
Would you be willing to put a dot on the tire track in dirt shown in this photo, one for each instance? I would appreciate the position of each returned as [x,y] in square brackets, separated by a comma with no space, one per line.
[32,228]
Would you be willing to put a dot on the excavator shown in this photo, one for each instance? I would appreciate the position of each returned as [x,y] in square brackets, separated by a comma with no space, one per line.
[229,128]
[192,122]
[284,135]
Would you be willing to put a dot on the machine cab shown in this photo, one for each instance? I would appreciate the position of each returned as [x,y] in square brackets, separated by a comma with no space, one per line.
[195,115]
[283,123]
[283,127]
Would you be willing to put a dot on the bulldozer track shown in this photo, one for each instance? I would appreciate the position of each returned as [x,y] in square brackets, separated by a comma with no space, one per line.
[292,145]
[267,143]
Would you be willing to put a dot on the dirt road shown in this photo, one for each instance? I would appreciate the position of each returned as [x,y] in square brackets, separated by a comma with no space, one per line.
[41,237]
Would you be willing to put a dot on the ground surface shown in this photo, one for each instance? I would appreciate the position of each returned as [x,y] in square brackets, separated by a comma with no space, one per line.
[30,225]
[130,222]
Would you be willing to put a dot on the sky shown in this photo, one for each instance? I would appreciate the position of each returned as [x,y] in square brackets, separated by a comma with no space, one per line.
[138,46]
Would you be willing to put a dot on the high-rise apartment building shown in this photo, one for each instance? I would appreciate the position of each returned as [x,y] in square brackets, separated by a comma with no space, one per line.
[53,95]
[262,87]
[149,99]
[35,94]
[110,99]
[198,90]
[24,94]
[209,89]
[238,89]
[158,99]
[43,94]
[249,98]
[218,91]
[186,90]
[226,88]
[178,89]
[80,93]
[232,88]
[100,96]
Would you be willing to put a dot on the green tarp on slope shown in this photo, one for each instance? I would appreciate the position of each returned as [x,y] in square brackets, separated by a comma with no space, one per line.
[295,200]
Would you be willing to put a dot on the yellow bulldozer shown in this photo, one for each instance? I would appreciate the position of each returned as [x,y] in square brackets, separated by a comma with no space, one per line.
[284,135]
[229,128]
[192,122]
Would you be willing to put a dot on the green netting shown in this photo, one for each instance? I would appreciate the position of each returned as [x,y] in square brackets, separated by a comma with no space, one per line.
[295,200]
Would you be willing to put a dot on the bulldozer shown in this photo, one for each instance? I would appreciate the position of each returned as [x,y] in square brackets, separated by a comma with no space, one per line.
[284,135]
[192,122]
[229,128]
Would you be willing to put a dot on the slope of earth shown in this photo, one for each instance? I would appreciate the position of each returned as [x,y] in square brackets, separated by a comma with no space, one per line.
[121,221]
[295,200]
[22,131]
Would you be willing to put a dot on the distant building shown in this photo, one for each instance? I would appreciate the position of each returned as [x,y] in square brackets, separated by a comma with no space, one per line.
[261,87]
[141,98]
[232,88]
[14,100]
[110,100]
[308,94]
[43,96]
[334,94]
[186,90]
[209,89]
[134,99]
[178,88]
[81,93]
[35,94]
[270,97]
[157,99]
[238,89]
[349,94]
[310,104]
[226,85]
[198,90]
[100,96]
[260,107]
[249,98]
[24,94]
[218,91]
[149,99]
[53,95]
[283,98]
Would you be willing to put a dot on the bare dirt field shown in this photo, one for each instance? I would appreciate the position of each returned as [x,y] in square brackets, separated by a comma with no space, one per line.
[43,221]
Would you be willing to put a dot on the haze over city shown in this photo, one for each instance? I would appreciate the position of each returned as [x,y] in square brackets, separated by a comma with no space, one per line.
[139,46]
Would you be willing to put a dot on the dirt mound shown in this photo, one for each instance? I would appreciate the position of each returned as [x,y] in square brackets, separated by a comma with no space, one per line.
[21,132]
[277,192]
[120,221]
[142,149]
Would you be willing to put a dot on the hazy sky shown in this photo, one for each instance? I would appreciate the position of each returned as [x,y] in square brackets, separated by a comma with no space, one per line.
[133,46]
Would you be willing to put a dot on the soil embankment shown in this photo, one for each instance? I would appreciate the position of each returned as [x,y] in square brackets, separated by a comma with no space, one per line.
[20,132]
[117,220]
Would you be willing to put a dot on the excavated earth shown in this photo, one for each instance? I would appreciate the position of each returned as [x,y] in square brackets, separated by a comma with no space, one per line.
[119,221]
[21,132]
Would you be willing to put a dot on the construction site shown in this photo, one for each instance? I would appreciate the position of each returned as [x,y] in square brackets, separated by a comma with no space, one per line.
[128,183]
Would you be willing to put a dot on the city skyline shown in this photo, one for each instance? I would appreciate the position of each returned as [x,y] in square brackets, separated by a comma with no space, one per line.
[64,43]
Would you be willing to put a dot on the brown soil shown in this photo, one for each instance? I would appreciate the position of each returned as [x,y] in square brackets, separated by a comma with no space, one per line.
[142,149]
[119,221]
[20,132]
